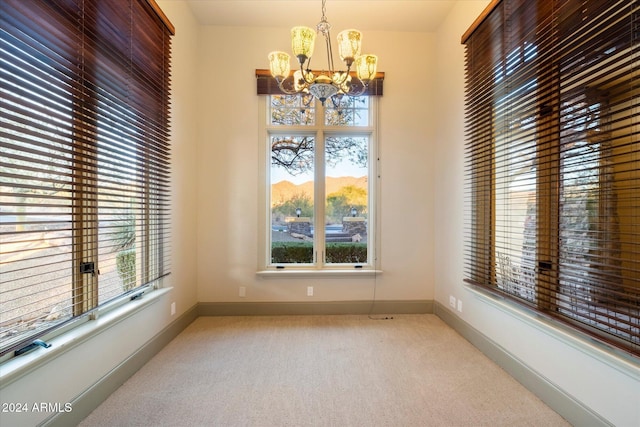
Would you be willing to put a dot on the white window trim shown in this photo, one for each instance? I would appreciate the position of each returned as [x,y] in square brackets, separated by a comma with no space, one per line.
[264,267]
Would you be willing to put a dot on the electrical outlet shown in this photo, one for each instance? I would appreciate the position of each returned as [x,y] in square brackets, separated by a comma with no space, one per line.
[242,291]
[173,308]
[460,306]
[452,301]
[309,291]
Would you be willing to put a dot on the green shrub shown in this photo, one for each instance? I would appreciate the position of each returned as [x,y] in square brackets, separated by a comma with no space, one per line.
[291,252]
[349,253]
[126,265]
[302,252]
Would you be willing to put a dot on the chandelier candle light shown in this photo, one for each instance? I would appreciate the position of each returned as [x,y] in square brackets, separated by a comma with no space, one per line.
[324,85]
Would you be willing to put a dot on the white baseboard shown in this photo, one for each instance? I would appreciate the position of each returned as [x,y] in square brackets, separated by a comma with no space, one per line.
[91,398]
[314,308]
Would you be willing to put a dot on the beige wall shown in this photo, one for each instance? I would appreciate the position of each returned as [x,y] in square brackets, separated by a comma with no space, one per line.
[228,181]
[184,154]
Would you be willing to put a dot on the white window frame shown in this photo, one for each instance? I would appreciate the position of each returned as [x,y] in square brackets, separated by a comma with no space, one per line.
[320,131]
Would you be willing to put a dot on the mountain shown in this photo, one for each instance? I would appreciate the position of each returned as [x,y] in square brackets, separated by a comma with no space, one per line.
[285,190]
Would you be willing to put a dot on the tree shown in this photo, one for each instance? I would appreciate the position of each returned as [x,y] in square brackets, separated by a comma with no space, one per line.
[288,207]
[28,181]
[296,154]
[339,203]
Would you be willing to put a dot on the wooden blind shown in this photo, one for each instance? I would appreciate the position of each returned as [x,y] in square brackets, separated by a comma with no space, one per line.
[553,161]
[85,159]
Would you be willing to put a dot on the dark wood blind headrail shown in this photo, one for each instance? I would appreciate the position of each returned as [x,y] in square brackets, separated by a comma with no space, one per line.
[478,21]
[165,20]
[267,85]
[552,161]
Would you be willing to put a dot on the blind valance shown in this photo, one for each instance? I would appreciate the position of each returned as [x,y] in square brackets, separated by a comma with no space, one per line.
[267,85]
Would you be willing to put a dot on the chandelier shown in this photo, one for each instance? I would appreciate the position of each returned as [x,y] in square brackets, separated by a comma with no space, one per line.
[328,83]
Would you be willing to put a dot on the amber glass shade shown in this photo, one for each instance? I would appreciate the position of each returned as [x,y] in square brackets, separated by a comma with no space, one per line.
[302,41]
[349,43]
[279,64]
[366,66]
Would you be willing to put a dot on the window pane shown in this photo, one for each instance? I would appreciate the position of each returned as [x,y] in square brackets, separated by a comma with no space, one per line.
[292,110]
[580,168]
[35,231]
[119,216]
[515,196]
[292,193]
[347,201]
[348,111]
[36,222]
[599,252]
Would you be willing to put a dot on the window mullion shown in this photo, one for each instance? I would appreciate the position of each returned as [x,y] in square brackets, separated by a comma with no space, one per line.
[145,230]
[85,235]
[548,212]
[319,236]
[85,200]
[548,167]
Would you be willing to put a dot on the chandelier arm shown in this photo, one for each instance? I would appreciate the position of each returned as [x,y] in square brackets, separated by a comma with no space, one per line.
[343,76]
[288,91]
[307,75]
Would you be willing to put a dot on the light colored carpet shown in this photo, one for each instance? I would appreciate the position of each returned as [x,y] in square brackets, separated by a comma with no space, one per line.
[412,370]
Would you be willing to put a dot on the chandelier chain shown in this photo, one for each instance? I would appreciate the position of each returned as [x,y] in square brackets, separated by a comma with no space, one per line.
[323,26]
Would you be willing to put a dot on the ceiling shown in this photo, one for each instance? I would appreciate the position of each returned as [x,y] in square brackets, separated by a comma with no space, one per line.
[365,15]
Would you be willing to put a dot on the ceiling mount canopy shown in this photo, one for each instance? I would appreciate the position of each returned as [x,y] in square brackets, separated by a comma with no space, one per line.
[327,84]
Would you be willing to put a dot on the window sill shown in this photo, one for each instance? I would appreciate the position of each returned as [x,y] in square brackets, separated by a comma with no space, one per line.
[15,367]
[292,272]
[611,356]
